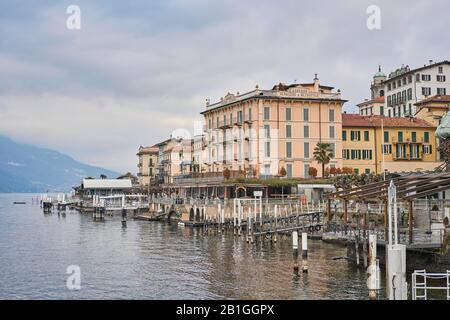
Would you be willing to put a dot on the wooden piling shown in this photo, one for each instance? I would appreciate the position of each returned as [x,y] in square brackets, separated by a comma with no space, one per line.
[295,250]
[304,252]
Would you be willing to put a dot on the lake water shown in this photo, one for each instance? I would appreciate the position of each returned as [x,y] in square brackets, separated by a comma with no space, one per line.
[155,260]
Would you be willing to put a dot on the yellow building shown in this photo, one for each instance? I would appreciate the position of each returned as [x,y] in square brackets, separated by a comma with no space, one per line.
[403,145]
[433,109]
[148,159]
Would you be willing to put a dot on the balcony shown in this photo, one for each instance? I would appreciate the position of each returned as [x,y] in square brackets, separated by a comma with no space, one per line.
[224,125]
[407,157]
[407,140]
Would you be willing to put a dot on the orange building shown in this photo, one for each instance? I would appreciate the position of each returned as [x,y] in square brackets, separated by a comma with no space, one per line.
[262,131]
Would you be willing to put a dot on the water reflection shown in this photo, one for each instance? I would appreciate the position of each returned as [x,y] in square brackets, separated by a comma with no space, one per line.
[147,260]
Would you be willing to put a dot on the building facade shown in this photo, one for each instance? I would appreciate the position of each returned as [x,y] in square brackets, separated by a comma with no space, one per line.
[262,131]
[174,159]
[148,160]
[405,87]
[374,144]
[433,109]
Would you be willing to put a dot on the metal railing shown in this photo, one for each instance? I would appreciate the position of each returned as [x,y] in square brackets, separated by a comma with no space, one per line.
[420,287]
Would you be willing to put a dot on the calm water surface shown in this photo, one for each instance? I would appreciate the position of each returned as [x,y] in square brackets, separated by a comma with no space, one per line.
[154,260]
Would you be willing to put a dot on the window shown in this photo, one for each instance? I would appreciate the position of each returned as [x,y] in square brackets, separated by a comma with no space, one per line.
[356,171]
[331,129]
[418,77]
[426,137]
[250,114]
[289,170]
[267,149]
[426,77]
[400,136]
[427,149]
[333,149]
[239,116]
[288,131]
[231,118]
[306,173]
[409,78]
[366,135]
[288,149]
[331,115]
[367,154]
[306,131]
[306,150]
[355,135]
[414,151]
[409,94]
[441,91]
[346,154]
[267,169]
[344,135]
[440,78]
[288,114]
[426,91]
[441,70]
[382,110]
[210,124]
[413,136]
[305,114]
[266,113]
[387,148]
[367,171]
[266,131]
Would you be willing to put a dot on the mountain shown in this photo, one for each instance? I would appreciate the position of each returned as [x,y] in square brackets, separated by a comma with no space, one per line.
[26,168]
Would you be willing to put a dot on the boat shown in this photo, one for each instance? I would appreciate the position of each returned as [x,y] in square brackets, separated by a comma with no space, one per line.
[19,202]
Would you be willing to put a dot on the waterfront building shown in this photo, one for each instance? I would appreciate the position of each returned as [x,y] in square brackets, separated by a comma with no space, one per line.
[405,87]
[104,187]
[397,95]
[262,131]
[374,106]
[174,159]
[404,144]
[148,159]
[199,159]
[433,109]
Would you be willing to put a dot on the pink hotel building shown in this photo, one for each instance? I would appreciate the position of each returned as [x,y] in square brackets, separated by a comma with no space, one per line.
[262,131]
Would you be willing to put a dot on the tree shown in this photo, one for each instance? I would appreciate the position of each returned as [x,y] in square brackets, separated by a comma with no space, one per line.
[102,176]
[312,172]
[283,172]
[323,154]
[226,173]
[338,171]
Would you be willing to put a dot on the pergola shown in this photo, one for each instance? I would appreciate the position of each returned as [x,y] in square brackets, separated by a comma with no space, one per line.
[409,187]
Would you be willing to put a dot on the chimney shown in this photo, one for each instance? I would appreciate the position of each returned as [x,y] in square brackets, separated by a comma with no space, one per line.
[316,83]
[431,62]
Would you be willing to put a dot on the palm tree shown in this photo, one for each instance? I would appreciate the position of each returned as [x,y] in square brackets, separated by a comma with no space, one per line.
[323,154]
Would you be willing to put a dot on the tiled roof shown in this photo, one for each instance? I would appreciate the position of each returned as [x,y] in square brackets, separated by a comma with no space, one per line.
[436,98]
[377,99]
[356,120]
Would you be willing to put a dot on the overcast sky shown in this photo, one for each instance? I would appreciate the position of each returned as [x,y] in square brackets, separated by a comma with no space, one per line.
[137,70]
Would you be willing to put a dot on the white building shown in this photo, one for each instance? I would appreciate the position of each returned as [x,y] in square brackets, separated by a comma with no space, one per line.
[405,87]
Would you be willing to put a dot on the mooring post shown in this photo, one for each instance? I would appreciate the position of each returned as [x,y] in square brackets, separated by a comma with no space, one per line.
[357,249]
[124,216]
[234,216]
[276,224]
[373,271]
[240,212]
[304,252]
[295,250]
[410,221]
